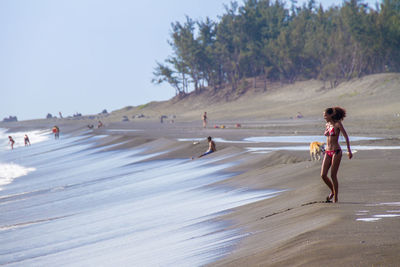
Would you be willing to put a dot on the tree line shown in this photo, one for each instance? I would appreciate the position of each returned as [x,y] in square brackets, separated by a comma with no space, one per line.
[266,40]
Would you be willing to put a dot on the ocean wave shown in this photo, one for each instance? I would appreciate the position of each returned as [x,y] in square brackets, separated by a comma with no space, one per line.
[123,204]
[10,171]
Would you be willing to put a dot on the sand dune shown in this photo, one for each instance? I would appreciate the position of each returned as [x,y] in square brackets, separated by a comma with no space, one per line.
[374,95]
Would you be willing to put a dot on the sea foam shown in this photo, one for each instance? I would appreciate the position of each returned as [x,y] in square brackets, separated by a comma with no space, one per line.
[10,171]
[86,205]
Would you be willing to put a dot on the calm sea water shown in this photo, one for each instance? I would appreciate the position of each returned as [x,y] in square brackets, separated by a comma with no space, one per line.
[67,203]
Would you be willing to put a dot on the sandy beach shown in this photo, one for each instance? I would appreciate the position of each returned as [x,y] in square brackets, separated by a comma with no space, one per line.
[296,227]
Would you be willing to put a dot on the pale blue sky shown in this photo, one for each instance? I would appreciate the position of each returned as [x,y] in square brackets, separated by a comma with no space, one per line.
[88,55]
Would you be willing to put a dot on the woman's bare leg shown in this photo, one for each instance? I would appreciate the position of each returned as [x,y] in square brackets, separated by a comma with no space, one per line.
[334,170]
[326,164]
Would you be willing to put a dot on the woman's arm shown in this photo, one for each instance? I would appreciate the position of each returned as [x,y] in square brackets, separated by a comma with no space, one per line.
[346,137]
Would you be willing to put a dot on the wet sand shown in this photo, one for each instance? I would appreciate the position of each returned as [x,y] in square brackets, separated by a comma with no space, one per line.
[295,228]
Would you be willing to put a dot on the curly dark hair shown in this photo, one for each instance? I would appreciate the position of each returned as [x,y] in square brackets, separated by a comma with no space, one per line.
[338,113]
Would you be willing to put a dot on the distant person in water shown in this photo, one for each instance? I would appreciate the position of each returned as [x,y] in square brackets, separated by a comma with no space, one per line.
[11,142]
[333,152]
[100,124]
[26,140]
[56,132]
[211,147]
[204,118]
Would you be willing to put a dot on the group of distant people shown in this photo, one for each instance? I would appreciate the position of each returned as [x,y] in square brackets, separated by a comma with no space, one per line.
[11,141]
[27,142]
[55,130]
[99,125]
[211,144]
[333,153]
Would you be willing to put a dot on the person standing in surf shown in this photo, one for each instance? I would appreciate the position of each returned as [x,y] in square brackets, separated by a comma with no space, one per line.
[11,142]
[333,153]
[56,131]
[26,140]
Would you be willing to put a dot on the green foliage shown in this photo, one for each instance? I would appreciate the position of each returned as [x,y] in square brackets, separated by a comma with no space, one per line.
[142,106]
[348,95]
[264,39]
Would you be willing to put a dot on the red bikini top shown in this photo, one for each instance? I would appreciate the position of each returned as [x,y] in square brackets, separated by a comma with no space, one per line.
[330,131]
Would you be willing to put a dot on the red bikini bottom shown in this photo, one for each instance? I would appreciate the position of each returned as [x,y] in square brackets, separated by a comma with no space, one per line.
[330,153]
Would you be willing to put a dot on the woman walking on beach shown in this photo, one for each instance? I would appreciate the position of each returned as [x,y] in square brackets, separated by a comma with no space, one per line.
[333,153]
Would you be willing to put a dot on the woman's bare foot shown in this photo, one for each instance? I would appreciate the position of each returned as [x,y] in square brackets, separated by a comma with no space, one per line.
[329,198]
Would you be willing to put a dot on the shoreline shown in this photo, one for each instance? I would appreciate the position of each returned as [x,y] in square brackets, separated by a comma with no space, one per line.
[295,227]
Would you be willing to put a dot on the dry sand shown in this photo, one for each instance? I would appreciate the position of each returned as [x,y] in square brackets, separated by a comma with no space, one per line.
[295,228]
